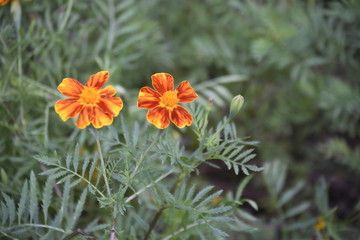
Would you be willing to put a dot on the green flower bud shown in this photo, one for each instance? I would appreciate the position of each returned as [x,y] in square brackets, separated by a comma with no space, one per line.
[236,104]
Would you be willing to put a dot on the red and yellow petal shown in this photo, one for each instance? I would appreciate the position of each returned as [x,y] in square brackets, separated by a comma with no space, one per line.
[148,98]
[163,82]
[186,93]
[111,105]
[98,79]
[180,117]
[84,119]
[109,91]
[70,87]
[68,108]
[100,118]
[159,116]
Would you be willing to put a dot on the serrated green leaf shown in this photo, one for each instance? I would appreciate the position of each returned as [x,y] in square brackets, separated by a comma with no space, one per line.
[76,182]
[11,209]
[245,171]
[46,198]
[209,199]
[23,200]
[33,207]
[228,149]
[220,219]
[252,203]
[289,194]
[65,178]
[58,174]
[242,186]
[245,215]
[50,171]
[93,166]
[254,168]
[85,165]
[218,232]
[190,193]
[45,160]
[78,209]
[166,195]
[4,213]
[181,193]
[297,209]
[217,210]
[68,160]
[248,158]
[76,157]
[201,194]
[244,154]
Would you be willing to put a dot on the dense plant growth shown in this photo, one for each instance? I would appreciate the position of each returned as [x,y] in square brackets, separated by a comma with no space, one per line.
[285,166]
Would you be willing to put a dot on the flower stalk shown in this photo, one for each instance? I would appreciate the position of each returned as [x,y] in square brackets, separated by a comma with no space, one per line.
[102,164]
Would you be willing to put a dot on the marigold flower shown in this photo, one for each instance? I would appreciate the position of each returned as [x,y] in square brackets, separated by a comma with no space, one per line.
[163,101]
[4,2]
[92,104]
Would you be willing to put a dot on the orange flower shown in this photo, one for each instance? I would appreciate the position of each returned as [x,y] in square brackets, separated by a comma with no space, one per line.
[163,101]
[3,2]
[95,105]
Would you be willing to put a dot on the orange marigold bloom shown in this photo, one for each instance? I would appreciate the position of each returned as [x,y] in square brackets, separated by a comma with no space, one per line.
[95,105]
[163,101]
[3,2]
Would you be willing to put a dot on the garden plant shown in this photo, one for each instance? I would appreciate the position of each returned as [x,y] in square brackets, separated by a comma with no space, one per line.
[191,119]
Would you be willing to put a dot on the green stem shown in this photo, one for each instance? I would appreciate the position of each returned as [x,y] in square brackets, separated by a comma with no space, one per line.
[102,164]
[67,15]
[153,222]
[160,211]
[149,185]
[142,158]
[111,32]
[223,126]
[184,229]
[18,36]
[33,225]
[82,178]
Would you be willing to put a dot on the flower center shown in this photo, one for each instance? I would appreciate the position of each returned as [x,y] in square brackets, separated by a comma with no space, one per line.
[169,99]
[89,96]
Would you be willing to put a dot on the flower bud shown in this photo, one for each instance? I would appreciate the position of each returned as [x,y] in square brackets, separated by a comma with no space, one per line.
[236,104]
[209,104]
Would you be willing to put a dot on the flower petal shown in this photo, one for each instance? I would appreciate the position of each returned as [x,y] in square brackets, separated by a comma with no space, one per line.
[109,91]
[148,98]
[70,87]
[3,2]
[100,118]
[159,116]
[186,93]
[85,116]
[68,108]
[181,117]
[98,80]
[111,105]
[162,82]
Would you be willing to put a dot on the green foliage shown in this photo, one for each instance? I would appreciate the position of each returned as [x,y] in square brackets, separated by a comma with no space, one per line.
[24,219]
[295,62]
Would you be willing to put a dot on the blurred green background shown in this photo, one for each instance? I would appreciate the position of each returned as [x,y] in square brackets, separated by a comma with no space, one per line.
[295,62]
